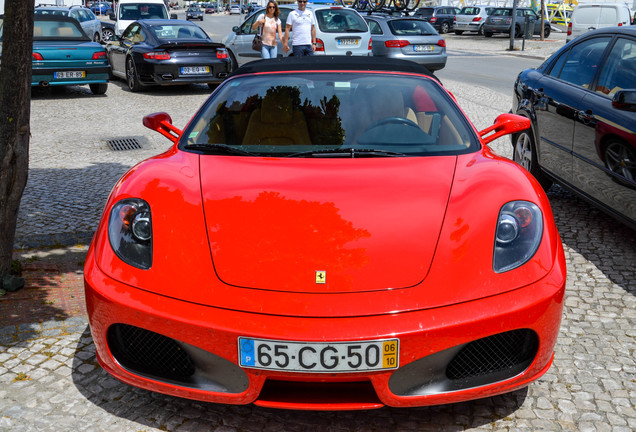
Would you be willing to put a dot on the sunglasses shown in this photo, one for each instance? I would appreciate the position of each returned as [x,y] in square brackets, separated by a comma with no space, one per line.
[302,1]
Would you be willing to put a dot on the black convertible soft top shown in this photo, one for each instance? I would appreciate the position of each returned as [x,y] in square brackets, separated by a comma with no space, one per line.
[330,63]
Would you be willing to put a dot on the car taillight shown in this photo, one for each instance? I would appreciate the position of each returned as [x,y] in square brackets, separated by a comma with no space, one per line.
[433,19]
[399,43]
[320,45]
[508,21]
[37,56]
[100,55]
[370,47]
[569,29]
[221,53]
[441,42]
[620,24]
[477,19]
[157,55]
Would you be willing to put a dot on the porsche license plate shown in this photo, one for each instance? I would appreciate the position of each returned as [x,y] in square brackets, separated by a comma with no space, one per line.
[69,74]
[195,70]
[348,42]
[422,48]
[332,357]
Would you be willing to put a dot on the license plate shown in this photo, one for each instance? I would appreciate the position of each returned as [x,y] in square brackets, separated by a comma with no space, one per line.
[423,48]
[69,74]
[195,70]
[332,357]
[348,42]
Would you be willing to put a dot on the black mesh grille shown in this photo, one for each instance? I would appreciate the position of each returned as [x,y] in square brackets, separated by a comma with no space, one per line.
[494,354]
[149,353]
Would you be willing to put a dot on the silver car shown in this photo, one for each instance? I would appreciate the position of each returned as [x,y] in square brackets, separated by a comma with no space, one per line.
[339,31]
[91,25]
[472,19]
[407,39]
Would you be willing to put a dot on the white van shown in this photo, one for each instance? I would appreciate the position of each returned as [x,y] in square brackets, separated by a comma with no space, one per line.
[128,11]
[591,16]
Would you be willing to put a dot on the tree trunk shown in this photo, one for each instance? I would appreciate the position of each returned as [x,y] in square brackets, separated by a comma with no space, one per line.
[15,112]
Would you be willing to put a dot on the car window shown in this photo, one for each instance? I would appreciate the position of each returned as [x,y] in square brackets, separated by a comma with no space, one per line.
[502,12]
[619,71]
[609,16]
[328,111]
[137,11]
[411,28]
[340,21]
[425,11]
[51,12]
[177,31]
[131,31]
[374,27]
[579,64]
[43,30]
[469,11]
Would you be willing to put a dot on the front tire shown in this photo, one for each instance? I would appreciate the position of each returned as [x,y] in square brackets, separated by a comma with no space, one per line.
[131,76]
[487,34]
[525,154]
[620,159]
[107,35]
[546,31]
[458,32]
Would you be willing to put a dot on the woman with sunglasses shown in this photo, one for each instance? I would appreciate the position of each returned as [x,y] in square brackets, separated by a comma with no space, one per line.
[303,24]
[269,25]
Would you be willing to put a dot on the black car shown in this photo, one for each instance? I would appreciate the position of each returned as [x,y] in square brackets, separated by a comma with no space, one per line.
[194,13]
[165,52]
[440,17]
[500,21]
[582,103]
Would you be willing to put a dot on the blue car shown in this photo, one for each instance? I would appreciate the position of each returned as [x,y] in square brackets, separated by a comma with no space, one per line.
[101,8]
[64,55]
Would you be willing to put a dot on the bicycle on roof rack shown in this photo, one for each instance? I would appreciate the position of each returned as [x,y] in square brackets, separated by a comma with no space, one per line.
[378,5]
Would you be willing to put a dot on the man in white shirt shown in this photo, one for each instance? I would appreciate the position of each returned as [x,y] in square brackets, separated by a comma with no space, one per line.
[302,23]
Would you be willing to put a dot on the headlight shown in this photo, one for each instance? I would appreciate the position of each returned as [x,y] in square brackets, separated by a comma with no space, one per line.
[518,235]
[130,232]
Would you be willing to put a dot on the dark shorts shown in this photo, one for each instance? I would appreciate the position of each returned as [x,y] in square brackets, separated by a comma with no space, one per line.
[302,50]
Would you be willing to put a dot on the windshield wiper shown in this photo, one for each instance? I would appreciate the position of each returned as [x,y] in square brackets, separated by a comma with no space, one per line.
[346,152]
[218,149]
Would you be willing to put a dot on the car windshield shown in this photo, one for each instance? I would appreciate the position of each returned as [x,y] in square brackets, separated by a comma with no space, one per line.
[340,21]
[178,31]
[58,12]
[469,10]
[312,114]
[138,11]
[58,30]
[411,27]
[425,11]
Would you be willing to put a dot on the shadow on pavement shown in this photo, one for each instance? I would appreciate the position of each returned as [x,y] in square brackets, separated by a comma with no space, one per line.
[167,412]
[608,244]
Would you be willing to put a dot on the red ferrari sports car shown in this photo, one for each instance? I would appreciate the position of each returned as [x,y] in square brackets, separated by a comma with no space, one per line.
[327,233]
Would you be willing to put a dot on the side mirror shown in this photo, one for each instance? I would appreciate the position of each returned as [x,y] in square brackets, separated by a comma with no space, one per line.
[505,124]
[162,123]
[235,29]
[625,100]
[173,16]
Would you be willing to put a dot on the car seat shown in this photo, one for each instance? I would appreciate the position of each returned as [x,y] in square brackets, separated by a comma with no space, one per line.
[184,33]
[277,122]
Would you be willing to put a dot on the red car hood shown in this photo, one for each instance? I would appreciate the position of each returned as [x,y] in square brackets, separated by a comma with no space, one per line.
[327,226]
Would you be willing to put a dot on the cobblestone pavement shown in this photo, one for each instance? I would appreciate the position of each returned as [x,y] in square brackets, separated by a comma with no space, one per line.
[50,380]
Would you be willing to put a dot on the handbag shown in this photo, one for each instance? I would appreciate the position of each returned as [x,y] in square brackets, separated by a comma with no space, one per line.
[257,42]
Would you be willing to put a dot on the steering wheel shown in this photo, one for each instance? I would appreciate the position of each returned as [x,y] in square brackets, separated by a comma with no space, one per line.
[393,120]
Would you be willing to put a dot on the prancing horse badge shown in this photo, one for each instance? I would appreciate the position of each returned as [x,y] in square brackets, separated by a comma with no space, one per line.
[321,276]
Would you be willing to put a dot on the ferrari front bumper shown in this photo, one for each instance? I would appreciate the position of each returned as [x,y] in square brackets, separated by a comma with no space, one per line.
[511,336]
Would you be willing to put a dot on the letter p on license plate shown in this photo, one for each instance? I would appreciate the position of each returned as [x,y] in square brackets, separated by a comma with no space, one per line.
[358,356]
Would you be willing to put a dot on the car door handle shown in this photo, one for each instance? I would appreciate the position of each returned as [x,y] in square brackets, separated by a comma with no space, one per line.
[585,117]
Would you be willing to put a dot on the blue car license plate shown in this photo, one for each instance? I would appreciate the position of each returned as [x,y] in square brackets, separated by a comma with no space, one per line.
[355,356]
[69,74]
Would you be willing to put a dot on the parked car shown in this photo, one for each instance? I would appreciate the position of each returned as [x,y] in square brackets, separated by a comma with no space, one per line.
[194,13]
[132,10]
[235,9]
[440,17]
[472,19]
[407,38]
[63,55]
[339,31]
[167,52]
[310,224]
[591,16]
[211,8]
[500,21]
[102,8]
[582,102]
[108,31]
[90,24]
